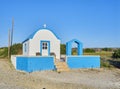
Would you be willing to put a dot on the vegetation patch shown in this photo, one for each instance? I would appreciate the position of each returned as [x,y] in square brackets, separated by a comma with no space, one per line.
[16,49]
[105,63]
[62,49]
[116,54]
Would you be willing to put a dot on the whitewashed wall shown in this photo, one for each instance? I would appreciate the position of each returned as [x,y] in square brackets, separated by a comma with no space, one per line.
[13,60]
[27,48]
[43,34]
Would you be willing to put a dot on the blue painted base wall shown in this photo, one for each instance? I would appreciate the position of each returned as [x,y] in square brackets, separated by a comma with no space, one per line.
[83,62]
[30,64]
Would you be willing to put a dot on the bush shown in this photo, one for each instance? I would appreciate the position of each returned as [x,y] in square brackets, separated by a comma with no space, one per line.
[88,50]
[62,49]
[107,49]
[116,54]
[105,63]
[74,51]
[16,49]
[4,52]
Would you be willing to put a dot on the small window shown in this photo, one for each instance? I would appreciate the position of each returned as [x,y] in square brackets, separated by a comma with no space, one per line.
[25,47]
[44,45]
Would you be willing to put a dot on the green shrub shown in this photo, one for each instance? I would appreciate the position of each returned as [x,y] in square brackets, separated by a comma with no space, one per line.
[15,50]
[89,50]
[107,49]
[105,63]
[116,54]
[4,52]
[62,49]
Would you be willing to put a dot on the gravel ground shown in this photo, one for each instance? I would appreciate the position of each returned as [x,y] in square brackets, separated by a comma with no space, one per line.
[75,79]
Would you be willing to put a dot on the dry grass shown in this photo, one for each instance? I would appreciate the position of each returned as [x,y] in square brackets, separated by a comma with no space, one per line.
[102,54]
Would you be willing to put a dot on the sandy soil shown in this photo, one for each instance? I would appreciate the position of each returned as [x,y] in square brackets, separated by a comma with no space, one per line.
[75,79]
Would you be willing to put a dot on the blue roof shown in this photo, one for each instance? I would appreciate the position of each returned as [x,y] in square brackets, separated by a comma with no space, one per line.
[32,35]
[74,40]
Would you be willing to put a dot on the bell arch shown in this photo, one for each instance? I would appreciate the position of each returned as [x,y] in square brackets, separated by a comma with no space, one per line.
[69,47]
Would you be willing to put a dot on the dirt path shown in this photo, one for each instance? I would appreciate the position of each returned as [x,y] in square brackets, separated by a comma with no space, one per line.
[75,79]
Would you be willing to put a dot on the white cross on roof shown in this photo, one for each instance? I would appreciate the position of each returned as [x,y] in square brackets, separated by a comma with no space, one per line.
[44,25]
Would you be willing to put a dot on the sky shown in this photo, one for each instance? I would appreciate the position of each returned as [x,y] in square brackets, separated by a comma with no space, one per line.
[96,23]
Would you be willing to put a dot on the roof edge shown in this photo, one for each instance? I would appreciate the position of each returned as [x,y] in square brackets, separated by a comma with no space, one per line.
[32,35]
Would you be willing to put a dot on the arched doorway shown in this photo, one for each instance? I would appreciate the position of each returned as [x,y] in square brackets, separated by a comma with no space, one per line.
[74,48]
[69,47]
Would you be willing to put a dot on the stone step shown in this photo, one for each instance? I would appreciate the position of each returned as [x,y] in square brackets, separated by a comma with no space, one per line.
[60,63]
[62,70]
[61,66]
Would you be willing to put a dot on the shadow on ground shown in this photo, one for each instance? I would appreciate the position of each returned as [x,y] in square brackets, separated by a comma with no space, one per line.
[115,63]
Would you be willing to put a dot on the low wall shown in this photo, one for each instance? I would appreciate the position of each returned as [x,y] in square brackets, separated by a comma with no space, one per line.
[13,60]
[83,61]
[30,64]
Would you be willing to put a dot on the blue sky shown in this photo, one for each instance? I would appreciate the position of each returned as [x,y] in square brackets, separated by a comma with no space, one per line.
[96,23]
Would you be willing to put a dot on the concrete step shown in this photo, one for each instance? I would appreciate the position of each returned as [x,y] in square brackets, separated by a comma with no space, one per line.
[60,63]
[63,70]
[61,66]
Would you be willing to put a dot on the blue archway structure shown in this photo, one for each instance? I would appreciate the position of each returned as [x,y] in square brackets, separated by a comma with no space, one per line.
[69,47]
[80,61]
